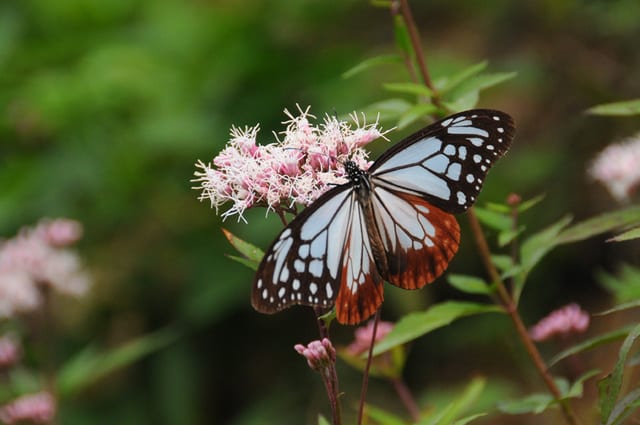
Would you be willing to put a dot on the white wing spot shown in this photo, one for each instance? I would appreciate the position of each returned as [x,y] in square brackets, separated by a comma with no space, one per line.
[422,208]
[446,122]
[303,251]
[315,268]
[454,171]
[467,130]
[483,167]
[329,290]
[296,284]
[285,234]
[299,266]
[470,178]
[462,152]
[284,276]
[490,147]
[476,141]
[313,288]
[259,283]
[417,245]
[436,163]
[497,118]
[477,158]
[282,291]
[500,130]
[265,294]
[462,198]
[449,150]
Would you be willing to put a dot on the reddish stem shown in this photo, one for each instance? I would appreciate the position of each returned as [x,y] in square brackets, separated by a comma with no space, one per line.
[365,377]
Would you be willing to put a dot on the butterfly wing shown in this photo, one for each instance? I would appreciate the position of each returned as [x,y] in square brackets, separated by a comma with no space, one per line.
[322,258]
[419,238]
[446,163]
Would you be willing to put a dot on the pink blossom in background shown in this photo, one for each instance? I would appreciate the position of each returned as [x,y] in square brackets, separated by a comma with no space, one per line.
[9,352]
[36,258]
[617,167]
[38,408]
[296,169]
[319,354]
[363,335]
[564,321]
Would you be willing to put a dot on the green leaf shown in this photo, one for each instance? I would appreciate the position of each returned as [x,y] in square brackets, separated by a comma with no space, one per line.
[403,40]
[469,284]
[625,285]
[507,236]
[409,88]
[456,408]
[382,417]
[621,307]
[89,365]
[625,407]
[416,112]
[577,388]
[417,324]
[463,103]
[387,110]
[477,84]
[626,236]
[502,262]
[600,224]
[253,265]
[371,63]
[534,248]
[468,419]
[323,421]
[610,386]
[493,219]
[249,251]
[446,84]
[534,403]
[528,204]
[624,108]
[591,343]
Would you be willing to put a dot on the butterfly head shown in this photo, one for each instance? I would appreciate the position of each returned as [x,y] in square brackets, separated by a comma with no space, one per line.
[356,175]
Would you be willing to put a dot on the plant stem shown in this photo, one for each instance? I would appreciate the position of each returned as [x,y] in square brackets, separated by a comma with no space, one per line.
[512,310]
[330,375]
[407,398]
[405,10]
[505,297]
[365,377]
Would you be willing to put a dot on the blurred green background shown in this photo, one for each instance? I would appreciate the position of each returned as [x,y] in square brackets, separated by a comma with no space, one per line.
[106,105]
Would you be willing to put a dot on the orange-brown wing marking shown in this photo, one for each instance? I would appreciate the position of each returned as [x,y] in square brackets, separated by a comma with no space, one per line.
[361,286]
[419,238]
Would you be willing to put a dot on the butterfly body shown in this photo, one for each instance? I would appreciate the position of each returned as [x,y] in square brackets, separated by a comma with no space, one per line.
[391,223]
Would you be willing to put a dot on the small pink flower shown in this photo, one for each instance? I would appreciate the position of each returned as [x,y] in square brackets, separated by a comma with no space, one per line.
[617,167]
[291,171]
[9,352]
[38,408]
[320,355]
[363,335]
[564,321]
[36,258]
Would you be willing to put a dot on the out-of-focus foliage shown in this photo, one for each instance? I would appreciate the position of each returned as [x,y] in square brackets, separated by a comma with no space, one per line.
[106,105]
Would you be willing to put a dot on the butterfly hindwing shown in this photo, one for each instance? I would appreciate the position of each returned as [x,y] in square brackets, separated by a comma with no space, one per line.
[446,163]
[419,238]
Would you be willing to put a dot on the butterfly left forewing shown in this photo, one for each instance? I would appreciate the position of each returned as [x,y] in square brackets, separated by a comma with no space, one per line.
[419,238]
[303,265]
[446,162]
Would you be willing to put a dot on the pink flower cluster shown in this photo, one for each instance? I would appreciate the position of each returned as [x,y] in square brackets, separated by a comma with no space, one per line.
[617,167]
[363,335]
[38,408]
[294,170]
[9,352]
[564,321]
[319,354]
[37,258]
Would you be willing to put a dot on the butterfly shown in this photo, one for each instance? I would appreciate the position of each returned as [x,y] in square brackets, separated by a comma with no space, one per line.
[390,223]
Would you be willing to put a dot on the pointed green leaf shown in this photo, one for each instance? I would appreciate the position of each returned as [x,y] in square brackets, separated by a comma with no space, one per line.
[611,385]
[417,324]
[463,103]
[89,365]
[253,265]
[502,262]
[577,387]
[529,203]
[624,285]
[409,88]
[249,251]
[387,110]
[477,84]
[629,404]
[624,108]
[322,420]
[468,419]
[446,84]
[469,284]
[403,40]
[383,417]
[600,224]
[591,343]
[416,112]
[371,63]
[461,404]
[626,236]
[493,219]
[534,403]
[621,307]
[507,236]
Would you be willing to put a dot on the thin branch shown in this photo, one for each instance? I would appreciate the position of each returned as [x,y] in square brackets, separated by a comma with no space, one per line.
[365,377]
